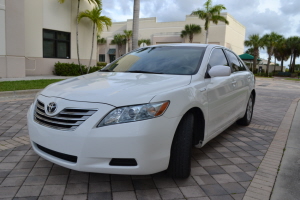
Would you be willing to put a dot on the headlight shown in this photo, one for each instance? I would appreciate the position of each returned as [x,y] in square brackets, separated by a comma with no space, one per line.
[134,113]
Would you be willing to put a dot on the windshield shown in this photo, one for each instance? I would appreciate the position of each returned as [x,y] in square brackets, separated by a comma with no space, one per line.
[160,60]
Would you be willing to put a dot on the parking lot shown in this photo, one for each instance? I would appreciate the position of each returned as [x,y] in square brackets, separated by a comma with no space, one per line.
[222,169]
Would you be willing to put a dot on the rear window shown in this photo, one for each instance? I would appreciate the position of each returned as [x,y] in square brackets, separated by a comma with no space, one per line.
[160,60]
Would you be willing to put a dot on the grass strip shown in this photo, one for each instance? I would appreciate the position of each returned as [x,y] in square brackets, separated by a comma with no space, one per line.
[26,85]
[292,79]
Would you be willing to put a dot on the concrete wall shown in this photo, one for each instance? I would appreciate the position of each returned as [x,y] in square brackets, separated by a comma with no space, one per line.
[61,17]
[12,39]
[235,35]
[21,35]
[57,16]
[2,29]
[34,28]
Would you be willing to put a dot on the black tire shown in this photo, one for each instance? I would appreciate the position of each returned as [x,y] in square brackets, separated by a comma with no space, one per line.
[180,159]
[246,120]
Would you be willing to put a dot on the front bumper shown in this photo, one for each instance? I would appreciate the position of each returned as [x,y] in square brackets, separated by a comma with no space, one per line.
[148,142]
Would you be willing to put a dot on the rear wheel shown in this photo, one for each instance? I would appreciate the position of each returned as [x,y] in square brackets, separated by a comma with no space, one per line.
[245,121]
[180,159]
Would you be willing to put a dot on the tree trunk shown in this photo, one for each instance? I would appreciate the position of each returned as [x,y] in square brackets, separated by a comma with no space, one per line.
[282,64]
[135,24]
[268,64]
[206,40]
[269,59]
[291,59]
[293,64]
[128,45]
[255,59]
[89,66]
[191,38]
[77,40]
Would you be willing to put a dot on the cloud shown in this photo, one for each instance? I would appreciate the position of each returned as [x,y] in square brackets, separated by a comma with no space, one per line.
[290,7]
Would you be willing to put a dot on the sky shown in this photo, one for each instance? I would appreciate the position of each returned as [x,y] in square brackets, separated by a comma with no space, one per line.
[258,16]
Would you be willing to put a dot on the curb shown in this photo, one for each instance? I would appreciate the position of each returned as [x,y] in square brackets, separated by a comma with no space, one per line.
[19,93]
[264,180]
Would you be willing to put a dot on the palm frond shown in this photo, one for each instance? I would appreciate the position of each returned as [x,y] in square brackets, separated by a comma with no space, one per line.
[216,18]
[95,16]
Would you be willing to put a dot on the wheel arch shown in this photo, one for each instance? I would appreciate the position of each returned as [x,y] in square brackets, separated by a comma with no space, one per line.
[253,92]
[199,125]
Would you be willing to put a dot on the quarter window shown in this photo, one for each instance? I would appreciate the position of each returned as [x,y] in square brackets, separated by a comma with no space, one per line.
[217,58]
[56,44]
[236,64]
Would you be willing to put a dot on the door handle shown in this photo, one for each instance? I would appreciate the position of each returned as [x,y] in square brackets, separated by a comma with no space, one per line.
[202,89]
[234,82]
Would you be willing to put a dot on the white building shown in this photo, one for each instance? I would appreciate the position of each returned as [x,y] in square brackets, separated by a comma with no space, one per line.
[35,34]
[231,36]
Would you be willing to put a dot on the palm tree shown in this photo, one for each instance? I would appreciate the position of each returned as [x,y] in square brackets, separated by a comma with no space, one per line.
[210,13]
[135,24]
[281,52]
[293,43]
[190,30]
[270,41]
[97,3]
[251,51]
[100,40]
[146,41]
[255,43]
[119,40]
[98,23]
[128,36]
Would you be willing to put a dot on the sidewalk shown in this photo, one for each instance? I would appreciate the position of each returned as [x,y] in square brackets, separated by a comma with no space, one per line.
[288,179]
[277,176]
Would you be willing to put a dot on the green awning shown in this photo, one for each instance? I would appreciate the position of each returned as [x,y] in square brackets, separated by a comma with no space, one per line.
[246,56]
[111,51]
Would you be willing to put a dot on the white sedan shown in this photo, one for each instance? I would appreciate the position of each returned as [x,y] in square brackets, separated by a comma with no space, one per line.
[142,113]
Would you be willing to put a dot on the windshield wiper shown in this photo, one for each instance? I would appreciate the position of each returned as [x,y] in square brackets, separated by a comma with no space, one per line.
[141,71]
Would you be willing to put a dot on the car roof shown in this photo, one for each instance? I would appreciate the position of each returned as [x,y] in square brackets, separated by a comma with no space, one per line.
[186,45]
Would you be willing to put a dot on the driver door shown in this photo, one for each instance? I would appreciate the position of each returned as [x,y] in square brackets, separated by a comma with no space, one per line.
[220,96]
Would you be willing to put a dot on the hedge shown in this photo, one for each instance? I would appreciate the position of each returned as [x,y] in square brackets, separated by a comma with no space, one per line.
[71,69]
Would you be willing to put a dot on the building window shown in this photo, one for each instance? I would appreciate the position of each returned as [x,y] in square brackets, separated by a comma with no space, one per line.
[56,44]
[101,58]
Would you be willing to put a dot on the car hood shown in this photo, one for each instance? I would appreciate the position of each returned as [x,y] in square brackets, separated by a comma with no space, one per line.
[115,88]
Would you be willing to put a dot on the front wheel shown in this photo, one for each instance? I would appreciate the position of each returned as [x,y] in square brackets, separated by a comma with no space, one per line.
[245,121]
[180,159]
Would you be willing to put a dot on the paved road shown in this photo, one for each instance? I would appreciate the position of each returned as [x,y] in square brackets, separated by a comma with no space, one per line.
[223,169]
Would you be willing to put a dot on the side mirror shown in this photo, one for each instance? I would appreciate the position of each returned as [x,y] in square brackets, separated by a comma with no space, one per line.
[219,70]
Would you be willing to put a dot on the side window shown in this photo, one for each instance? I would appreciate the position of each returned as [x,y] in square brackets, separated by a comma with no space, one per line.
[217,58]
[236,64]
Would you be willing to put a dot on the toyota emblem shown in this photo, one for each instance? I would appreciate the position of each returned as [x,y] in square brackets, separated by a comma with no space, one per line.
[51,108]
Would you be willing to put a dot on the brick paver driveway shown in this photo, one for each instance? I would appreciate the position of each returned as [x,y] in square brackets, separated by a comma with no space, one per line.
[223,169]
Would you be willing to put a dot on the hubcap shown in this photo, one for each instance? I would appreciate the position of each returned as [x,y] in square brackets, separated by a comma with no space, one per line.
[249,109]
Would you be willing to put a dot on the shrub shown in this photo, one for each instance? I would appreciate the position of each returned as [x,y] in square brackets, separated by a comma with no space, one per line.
[99,64]
[71,69]
[284,74]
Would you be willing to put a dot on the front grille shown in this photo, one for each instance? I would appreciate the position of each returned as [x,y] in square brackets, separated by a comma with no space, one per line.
[67,119]
[62,156]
